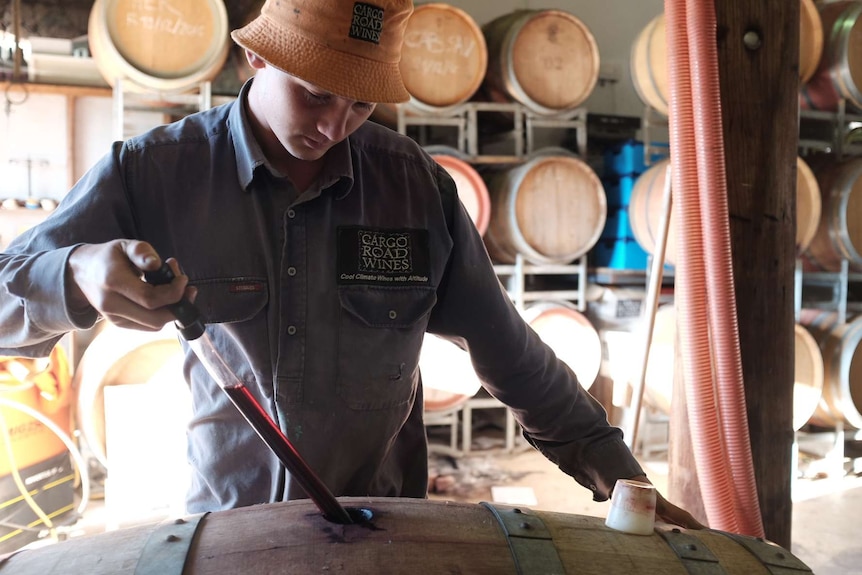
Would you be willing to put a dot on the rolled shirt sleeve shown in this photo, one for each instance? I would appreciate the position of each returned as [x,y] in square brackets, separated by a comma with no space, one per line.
[34,307]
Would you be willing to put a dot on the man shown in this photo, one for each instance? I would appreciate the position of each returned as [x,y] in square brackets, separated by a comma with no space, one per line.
[319,248]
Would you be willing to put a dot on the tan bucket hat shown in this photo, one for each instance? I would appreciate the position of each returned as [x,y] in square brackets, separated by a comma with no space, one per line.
[351,49]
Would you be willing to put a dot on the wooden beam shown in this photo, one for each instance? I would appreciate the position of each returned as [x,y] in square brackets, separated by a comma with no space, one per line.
[759,72]
[71,102]
[758,53]
[61,89]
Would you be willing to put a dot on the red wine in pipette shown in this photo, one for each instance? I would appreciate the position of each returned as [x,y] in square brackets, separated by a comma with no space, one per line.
[192,329]
[268,431]
[278,443]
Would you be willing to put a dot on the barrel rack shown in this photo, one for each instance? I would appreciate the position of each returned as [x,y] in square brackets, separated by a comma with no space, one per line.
[522,136]
[652,120]
[513,277]
[835,133]
[835,284]
[832,442]
[838,133]
[830,132]
[131,97]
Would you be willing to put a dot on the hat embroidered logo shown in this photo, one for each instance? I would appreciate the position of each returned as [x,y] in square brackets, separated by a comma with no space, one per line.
[367,22]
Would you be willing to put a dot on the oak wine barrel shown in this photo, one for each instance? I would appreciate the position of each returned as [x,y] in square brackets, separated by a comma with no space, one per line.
[818,323]
[159,46]
[648,65]
[570,335]
[839,231]
[649,61]
[443,63]
[810,40]
[444,57]
[659,379]
[448,378]
[842,362]
[809,205]
[547,60]
[645,209]
[117,356]
[400,535]
[549,209]
[839,72]
[472,190]
[809,376]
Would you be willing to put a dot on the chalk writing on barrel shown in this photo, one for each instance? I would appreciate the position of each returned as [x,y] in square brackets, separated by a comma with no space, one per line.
[435,44]
[161,16]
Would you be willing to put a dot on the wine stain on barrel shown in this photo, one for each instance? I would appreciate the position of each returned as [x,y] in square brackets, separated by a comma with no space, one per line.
[361,517]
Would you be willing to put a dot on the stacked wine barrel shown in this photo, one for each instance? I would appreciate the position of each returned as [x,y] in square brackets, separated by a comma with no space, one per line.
[829,234]
[547,60]
[548,207]
[156,46]
[827,71]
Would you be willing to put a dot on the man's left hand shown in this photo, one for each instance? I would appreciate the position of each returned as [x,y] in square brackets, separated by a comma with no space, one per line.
[670,513]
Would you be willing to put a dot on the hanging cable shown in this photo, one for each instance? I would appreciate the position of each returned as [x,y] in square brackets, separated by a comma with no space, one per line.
[34,373]
[16,30]
[16,475]
[61,435]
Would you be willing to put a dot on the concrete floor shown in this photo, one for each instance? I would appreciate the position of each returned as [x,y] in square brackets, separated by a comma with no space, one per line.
[826,529]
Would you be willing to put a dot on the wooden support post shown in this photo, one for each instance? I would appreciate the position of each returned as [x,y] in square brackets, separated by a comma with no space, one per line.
[758,53]
[71,101]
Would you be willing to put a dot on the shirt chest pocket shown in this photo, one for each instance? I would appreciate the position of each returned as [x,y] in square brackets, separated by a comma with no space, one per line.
[227,300]
[235,310]
[379,339]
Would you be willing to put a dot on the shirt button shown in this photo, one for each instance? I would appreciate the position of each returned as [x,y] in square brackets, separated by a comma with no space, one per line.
[291,271]
[291,330]
[291,214]
[392,314]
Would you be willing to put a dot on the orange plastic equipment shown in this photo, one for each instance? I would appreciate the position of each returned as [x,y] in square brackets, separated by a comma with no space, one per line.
[45,388]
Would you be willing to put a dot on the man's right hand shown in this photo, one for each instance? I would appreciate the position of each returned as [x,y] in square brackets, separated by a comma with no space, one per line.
[108,277]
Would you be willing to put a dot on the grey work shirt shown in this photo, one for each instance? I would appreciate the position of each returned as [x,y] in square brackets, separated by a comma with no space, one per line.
[318,302]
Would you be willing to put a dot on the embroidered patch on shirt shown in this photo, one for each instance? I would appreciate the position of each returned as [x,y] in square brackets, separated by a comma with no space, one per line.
[374,256]
[367,23]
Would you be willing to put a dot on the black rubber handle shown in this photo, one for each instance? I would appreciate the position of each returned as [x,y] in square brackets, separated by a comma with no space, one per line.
[189,320]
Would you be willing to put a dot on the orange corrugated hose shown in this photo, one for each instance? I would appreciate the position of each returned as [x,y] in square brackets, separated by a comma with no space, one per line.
[704,269]
[690,284]
[719,261]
